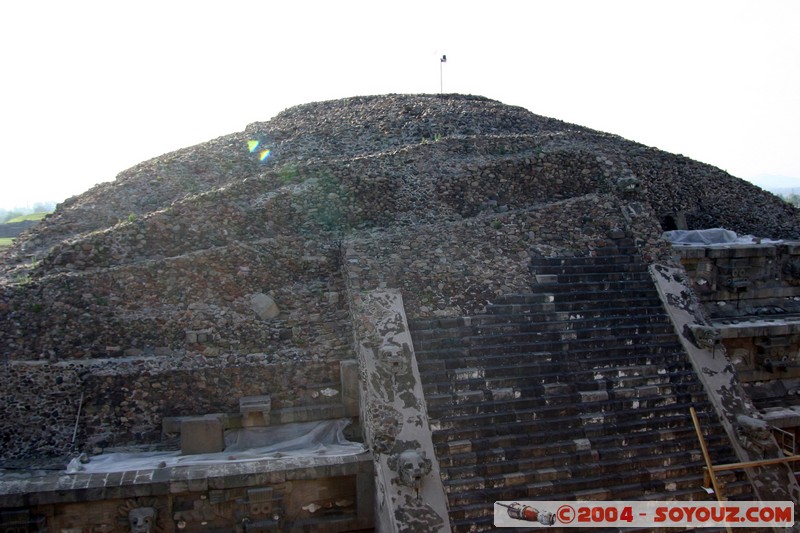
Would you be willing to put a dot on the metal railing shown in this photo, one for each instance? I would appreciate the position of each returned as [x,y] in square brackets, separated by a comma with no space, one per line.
[786,440]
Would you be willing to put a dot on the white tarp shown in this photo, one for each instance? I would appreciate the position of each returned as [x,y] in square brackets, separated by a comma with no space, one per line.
[710,237]
[308,439]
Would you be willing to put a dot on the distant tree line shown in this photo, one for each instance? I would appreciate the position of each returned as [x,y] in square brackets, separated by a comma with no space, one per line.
[39,207]
[793,198]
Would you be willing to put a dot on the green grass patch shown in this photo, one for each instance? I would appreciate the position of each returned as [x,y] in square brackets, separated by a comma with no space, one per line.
[6,242]
[32,216]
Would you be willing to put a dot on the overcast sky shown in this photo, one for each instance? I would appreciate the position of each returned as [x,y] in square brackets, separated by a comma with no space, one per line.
[90,88]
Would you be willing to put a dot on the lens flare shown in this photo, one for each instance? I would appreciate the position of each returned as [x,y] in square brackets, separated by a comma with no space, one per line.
[252,145]
[263,155]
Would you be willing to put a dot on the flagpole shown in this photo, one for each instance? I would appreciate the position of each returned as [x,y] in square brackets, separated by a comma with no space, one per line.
[441,66]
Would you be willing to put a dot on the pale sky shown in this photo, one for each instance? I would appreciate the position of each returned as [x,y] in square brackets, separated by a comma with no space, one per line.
[90,88]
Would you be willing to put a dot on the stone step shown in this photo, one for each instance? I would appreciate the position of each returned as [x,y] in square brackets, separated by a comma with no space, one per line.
[567,429]
[491,400]
[560,427]
[584,286]
[477,414]
[621,362]
[643,341]
[572,311]
[427,339]
[521,302]
[574,321]
[559,279]
[466,454]
[498,448]
[628,382]
[520,464]
[680,470]
[545,366]
[571,306]
[609,257]
[523,470]
[682,481]
[636,438]
[552,455]
[627,252]
[670,483]
[588,318]
[549,269]
[433,327]
[478,516]
[548,368]
[494,401]
[614,289]
[550,334]
[577,332]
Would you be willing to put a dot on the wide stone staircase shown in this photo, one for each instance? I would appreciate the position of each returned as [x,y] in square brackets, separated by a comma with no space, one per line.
[579,389]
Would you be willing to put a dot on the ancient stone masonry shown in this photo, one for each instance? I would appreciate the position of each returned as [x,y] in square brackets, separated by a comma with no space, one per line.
[751,298]
[230,269]
[123,401]
[456,268]
[160,306]
[748,433]
[409,492]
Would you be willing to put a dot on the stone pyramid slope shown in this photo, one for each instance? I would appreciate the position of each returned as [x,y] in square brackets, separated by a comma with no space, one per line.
[338,130]
[190,227]
[333,133]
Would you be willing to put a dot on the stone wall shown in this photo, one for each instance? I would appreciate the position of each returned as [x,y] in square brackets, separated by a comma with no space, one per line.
[124,401]
[148,308]
[751,294]
[324,494]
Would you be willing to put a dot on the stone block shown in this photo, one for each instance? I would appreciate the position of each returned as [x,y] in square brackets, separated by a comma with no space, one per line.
[198,484]
[201,435]
[515,478]
[592,495]
[505,393]
[476,396]
[459,446]
[255,419]
[782,417]
[540,489]
[582,444]
[264,306]
[178,487]
[549,474]
[365,495]
[171,425]
[260,494]
[594,396]
[348,371]
[647,391]
[249,404]
[556,388]
[236,481]
[255,410]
